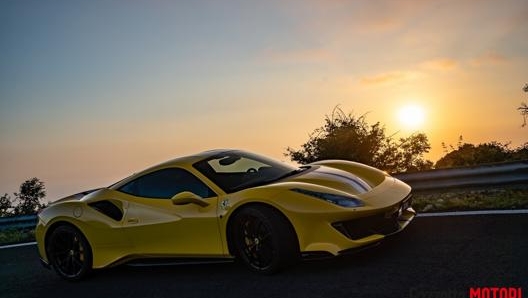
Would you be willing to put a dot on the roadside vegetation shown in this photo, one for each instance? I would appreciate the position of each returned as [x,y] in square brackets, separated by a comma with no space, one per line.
[466,155]
[507,198]
[27,201]
[11,236]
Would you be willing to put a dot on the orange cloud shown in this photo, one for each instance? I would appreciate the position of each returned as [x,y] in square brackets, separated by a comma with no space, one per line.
[390,77]
[401,76]
[442,64]
[489,58]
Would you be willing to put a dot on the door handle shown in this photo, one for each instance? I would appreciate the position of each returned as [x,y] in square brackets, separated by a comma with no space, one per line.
[133,220]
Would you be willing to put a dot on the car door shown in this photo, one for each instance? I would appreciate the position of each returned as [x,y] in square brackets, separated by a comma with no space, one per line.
[156,226]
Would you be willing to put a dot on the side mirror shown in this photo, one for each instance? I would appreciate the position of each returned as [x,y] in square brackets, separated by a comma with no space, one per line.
[187,197]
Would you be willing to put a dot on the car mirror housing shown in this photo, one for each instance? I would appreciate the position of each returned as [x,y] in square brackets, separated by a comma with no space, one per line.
[187,197]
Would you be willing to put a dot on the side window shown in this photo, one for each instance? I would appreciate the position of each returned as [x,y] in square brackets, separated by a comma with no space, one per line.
[164,184]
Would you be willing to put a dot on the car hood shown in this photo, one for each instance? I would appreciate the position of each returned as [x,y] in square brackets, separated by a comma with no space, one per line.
[333,178]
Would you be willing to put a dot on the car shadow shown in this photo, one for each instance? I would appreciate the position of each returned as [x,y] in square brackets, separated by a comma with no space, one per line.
[198,271]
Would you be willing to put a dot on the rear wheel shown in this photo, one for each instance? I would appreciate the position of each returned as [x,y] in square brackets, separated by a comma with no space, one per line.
[264,240]
[69,253]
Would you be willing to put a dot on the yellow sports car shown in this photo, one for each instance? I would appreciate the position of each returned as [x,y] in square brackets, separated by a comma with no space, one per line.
[224,204]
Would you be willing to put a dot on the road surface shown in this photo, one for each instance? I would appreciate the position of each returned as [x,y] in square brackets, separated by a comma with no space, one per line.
[433,257]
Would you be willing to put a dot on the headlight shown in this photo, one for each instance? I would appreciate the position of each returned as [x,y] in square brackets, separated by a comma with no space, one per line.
[343,201]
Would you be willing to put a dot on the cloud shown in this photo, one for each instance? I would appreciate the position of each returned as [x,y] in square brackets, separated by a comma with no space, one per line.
[489,58]
[365,17]
[416,72]
[441,64]
[390,77]
[299,56]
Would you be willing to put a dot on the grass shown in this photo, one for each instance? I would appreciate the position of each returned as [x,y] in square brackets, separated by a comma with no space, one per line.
[11,236]
[471,199]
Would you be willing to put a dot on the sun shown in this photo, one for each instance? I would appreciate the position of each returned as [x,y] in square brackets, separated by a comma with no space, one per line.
[411,116]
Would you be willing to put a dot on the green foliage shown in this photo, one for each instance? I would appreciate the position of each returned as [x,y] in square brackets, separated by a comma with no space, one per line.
[471,199]
[29,197]
[520,153]
[16,236]
[470,155]
[346,137]
[6,206]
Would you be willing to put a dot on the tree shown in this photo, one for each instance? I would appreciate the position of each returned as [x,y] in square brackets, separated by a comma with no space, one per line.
[343,136]
[470,155]
[5,205]
[29,197]
[410,154]
[521,153]
[523,109]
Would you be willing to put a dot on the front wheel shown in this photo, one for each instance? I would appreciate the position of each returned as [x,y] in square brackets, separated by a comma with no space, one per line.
[264,240]
[69,253]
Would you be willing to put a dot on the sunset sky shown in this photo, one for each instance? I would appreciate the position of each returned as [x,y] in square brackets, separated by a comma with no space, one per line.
[92,91]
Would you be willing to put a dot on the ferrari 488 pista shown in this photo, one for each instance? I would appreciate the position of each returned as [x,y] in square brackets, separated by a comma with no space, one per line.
[224,204]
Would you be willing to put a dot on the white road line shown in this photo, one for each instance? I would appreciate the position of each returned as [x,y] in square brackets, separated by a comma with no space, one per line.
[466,213]
[18,245]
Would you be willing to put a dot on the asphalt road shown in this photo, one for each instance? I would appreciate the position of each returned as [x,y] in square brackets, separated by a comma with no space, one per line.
[433,257]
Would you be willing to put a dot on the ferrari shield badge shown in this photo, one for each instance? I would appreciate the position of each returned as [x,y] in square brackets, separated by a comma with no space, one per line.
[225,204]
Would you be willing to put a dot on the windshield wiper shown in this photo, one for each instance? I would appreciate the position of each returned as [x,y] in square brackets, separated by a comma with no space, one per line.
[291,173]
[255,183]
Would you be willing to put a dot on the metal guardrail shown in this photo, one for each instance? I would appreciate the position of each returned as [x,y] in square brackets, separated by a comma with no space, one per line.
[484,175]
[476,176]
[18,222]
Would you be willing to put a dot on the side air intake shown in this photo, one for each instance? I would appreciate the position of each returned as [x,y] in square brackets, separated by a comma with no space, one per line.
[108,208]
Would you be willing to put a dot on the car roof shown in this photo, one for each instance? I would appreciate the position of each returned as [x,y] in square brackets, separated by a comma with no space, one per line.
[191,159]
[183,161]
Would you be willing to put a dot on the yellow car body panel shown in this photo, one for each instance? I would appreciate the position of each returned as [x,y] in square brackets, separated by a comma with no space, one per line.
[156,227]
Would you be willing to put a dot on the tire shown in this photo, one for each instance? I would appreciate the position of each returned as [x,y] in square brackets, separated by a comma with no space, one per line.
[264,240]
[69,253]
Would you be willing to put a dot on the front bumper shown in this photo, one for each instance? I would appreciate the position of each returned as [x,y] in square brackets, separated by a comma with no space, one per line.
[356,233]
[380,224]
[388,223]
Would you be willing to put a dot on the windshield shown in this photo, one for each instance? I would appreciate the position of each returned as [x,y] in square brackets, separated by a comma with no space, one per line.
[236,170]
